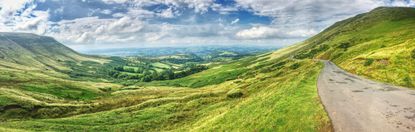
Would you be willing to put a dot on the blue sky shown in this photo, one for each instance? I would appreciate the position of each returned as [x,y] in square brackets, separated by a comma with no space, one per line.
[148,23]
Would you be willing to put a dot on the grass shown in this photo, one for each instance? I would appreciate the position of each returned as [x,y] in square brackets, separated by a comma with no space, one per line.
[212,76]
[4,100]
[287,102]
[387,57]
[65,91]
[377,45]
[290,104]
[262,90]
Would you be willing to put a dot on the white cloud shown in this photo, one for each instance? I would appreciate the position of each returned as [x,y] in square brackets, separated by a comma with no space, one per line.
[168,13]
[224,9]
[139,13]
[291,20]
[114,1]
[38,23]
[258,32]
[93,30]
[11,6]
[200,6]
[106,11]
[297,12]
[125,25]
[265,32]
[235,21]
[21,16]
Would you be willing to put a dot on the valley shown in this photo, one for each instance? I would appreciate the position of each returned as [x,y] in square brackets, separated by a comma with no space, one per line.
[45,86]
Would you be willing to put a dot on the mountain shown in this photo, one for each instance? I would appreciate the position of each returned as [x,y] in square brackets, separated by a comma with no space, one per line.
[275,91]
[34,51]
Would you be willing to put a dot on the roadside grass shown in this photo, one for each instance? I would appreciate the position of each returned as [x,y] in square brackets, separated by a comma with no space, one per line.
[288,103]
[389,45]
[377,45]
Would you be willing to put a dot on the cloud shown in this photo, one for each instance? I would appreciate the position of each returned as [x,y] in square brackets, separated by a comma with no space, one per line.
[224,9]
[124,25]
[235,21]
[297,12]
[37,23]
[199,6]
[168,13]
[114,1]
[94,29]
[22,16]
[265,32]
[9,7]
[106,11]
[143,22]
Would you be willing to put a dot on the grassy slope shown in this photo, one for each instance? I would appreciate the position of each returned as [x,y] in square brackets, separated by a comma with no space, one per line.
[276,96]
[35,51]
[379,45]
[215,75]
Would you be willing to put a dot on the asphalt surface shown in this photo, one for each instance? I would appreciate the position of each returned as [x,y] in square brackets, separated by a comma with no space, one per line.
[355,104]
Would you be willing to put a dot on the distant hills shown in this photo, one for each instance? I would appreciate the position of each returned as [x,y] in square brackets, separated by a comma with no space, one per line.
[200,51]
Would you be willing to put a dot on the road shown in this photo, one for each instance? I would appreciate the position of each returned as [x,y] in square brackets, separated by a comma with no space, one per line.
[355,104]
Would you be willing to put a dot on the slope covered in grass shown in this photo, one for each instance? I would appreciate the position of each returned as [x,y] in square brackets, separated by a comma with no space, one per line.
[274,94]
[253,93]
[379,45]
[33,51]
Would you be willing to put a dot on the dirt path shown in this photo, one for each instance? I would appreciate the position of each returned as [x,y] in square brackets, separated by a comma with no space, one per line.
[355,104]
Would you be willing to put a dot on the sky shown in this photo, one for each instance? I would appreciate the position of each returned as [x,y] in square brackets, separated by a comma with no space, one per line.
[84,24]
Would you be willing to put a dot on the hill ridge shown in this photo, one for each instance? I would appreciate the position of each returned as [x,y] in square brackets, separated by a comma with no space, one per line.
[31,50]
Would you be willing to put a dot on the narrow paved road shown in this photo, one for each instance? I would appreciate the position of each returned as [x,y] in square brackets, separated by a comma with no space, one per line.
[355,104]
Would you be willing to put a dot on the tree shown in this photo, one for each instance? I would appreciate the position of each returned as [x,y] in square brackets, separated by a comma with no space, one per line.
[146,78]
[167,74]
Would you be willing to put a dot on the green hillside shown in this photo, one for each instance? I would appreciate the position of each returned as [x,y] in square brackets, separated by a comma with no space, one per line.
[205,101]
[269,92]
[258,99]
[33,51]
[379,45]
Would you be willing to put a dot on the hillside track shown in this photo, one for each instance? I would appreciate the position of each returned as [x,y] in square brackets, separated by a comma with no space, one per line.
[355,104]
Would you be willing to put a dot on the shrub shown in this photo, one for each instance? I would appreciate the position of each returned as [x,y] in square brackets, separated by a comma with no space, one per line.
[344,45]
[413,54]
[295,66]
[408,82]
[234,93]
[106,89]
[368,62]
